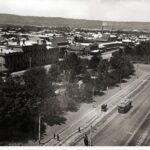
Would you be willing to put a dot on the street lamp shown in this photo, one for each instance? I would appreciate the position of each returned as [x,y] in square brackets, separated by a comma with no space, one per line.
[39,121]
[93,77]
[39,136]
[137,69]
[91,135]
[93,92]
[120,80]
[120,72]
[106,77]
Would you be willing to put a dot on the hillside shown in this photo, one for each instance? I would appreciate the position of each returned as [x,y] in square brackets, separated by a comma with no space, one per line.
[52,21]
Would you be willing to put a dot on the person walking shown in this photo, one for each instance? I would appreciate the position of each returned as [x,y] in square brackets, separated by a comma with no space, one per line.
[54,135]
[57,137]
[86,140]
[79,130]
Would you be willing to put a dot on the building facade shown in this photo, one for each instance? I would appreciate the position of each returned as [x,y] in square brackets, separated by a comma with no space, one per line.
[32,56]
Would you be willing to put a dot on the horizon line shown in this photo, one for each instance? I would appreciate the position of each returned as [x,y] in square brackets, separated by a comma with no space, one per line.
[132,21]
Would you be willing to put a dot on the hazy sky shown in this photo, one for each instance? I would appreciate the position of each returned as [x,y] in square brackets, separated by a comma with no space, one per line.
[119,10]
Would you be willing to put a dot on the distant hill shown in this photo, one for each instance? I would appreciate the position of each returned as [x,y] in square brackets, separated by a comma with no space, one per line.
[75,23]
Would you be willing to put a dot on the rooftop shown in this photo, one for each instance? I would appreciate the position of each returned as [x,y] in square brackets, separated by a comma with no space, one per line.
[77,47]
[60,40]
[124,102]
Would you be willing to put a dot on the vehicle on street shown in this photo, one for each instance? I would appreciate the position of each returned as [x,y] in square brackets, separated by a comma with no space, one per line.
[104,107]
[124,106]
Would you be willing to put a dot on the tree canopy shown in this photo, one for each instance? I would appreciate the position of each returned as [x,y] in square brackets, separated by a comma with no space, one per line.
[22,102]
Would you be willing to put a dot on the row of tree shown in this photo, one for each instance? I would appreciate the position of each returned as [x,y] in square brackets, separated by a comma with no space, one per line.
[23,101]
[139,52]
[96,75]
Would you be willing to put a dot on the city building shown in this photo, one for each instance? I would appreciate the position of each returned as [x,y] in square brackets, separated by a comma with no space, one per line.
[61,43]
[35,55]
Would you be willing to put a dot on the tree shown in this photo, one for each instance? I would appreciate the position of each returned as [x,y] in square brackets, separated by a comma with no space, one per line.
[94,62]
[73,67]
[73,62]
[17,112]
[112,78]
[103,67]
[43,96]
[99,83]
[54,72]
[72,97]
[87,92]
[102,80]
[72,76]
[129,50]
[87,77]
[143,50]
[40,87]
[121,64]
[139,52]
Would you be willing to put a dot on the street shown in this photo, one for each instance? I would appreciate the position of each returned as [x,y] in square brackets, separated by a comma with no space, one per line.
[113,123]
[120,129]
[91,114]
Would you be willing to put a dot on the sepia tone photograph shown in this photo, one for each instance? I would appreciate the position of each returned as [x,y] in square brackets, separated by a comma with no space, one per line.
[75,73]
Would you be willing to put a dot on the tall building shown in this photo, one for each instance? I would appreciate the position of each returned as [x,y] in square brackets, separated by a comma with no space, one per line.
[34,55]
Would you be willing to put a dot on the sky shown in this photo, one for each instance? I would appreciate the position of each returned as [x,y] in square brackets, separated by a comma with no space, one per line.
[106,10]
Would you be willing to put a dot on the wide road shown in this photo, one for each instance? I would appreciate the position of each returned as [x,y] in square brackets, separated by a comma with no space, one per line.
[70,135]
[142,137]
[121,129]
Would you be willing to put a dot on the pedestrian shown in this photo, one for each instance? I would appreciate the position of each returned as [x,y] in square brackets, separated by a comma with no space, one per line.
[54,135]
[79,130]
[57,137]
[86,141]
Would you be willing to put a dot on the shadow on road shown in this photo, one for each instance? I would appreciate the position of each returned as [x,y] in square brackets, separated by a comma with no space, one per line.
[56,120]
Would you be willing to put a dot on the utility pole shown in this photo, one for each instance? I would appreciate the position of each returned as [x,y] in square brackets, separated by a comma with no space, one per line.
[106,79]
[93,89]
[120,80]
[107,89]
[39,128]
[91,135]
[137,71]
[121,68]
[93,93]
